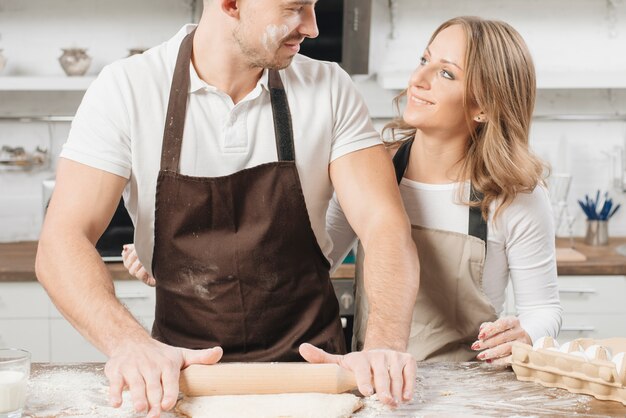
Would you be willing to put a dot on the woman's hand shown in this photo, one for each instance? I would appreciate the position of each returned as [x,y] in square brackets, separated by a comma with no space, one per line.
[496,338]
[134,266]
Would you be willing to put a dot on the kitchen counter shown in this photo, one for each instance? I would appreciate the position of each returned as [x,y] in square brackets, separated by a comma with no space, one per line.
[601,260]
[17,261]
[443,389]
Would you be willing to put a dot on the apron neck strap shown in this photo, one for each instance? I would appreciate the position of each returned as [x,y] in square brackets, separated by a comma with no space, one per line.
[177,110]
[401,159]
[477,227]
[177,107]
[282,118]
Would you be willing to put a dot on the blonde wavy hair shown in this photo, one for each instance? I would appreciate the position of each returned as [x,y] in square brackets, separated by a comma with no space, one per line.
[500,79]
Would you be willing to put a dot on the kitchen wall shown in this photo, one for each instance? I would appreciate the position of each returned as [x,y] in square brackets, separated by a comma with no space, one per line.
[32,34]
[577,46]
[581,78]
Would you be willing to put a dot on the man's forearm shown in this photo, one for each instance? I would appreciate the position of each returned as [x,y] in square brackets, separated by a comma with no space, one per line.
[391,281]
[80,286]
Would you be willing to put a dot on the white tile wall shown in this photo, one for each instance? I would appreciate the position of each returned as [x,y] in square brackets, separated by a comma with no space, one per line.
[33,32]
[563,35]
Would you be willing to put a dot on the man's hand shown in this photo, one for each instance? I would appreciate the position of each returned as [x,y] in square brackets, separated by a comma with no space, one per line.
[134,266]
[496,339]
[150,370]
[390,374]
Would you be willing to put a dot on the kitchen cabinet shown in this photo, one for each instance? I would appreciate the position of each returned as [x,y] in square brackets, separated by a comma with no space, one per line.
[593,306]
[24,318]
[29,320]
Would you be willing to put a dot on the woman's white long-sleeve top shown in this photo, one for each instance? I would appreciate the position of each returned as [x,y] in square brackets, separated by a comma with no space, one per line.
[520,246]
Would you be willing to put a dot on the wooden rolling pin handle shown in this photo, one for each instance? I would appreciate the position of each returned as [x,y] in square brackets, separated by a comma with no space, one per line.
[265,378]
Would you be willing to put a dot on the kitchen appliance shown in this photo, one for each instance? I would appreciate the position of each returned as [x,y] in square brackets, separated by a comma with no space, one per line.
[120,230]
[344,34]
[344,291]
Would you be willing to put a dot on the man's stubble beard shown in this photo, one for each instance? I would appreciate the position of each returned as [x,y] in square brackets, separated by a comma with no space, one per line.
[258,60]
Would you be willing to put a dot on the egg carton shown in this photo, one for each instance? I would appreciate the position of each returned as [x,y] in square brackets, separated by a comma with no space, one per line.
[585,365]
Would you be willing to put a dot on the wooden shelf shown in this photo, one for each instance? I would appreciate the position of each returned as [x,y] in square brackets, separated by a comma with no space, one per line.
[52,83]
[398,80]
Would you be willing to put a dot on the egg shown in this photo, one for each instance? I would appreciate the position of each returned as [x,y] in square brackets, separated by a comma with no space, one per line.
[598,352]
[570,346]
[545,342]
[618,359]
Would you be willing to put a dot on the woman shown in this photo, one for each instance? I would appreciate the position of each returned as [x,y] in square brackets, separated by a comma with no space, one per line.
[475,197]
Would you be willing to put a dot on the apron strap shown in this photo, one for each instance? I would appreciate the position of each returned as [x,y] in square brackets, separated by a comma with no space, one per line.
[401,159]
[177,107]
[177,110]
[282,118]
[477,227]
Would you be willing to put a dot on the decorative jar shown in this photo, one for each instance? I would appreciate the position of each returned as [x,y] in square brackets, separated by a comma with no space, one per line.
[75,61]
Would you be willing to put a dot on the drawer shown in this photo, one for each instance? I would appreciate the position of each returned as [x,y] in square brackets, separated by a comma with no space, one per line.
[593,294]
[138,298]
[31,335]
[591,326]
[23,300]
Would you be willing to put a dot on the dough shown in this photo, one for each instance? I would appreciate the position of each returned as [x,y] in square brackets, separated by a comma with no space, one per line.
[288,405]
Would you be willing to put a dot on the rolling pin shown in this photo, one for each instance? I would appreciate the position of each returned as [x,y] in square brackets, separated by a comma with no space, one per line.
[264,378]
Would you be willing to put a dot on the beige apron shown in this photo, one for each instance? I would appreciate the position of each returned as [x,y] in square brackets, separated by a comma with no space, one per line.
[450,304]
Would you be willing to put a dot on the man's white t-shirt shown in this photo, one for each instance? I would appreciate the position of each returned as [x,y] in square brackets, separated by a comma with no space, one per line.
[119,125]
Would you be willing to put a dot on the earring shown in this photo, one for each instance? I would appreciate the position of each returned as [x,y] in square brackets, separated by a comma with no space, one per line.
[478,118]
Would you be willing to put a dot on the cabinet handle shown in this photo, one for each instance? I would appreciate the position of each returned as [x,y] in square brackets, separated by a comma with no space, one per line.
[579,329]
[577,290]
[133,296]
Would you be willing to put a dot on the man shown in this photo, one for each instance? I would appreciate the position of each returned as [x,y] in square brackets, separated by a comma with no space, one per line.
[234,238]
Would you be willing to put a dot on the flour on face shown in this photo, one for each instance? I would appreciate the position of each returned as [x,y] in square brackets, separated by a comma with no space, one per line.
[273,35]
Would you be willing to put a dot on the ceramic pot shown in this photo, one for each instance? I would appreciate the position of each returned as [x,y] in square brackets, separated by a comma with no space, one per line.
[3,61]
[75,61]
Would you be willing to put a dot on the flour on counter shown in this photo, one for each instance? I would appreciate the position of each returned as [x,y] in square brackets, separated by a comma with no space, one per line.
[478,390]
[67,391]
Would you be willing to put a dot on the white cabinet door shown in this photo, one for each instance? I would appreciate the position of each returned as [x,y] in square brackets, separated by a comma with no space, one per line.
[32,335]
[23,300]
[24,318]
[592,326]
[138,297]
[68,346]
[593,307]
[593,294]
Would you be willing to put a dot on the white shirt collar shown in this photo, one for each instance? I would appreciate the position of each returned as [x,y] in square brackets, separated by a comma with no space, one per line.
[195,82]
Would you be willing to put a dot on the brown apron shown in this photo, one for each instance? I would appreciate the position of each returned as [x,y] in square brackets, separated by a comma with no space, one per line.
[235,259]
[450,304]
